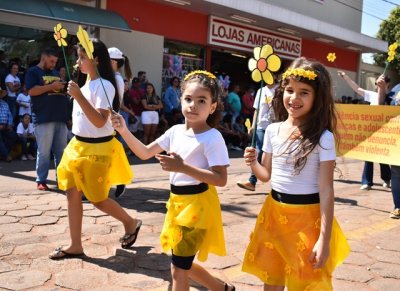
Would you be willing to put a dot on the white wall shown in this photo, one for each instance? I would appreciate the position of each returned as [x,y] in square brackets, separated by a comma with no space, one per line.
[144,50]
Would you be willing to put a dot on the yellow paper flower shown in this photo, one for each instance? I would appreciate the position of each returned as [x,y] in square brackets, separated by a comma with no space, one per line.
[60,34]
[393,47]
[331,57]
[247,124]
[392,52]
[86,43]
[263,63]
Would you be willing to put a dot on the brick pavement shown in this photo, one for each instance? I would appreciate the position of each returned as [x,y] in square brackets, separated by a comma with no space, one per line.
[33,223]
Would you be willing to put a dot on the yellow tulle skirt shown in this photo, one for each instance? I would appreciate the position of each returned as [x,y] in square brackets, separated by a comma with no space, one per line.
[282,242]
[193,225]
[93,167]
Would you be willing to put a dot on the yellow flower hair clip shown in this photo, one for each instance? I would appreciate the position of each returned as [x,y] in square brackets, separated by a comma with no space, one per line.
[299,72]
[199,72]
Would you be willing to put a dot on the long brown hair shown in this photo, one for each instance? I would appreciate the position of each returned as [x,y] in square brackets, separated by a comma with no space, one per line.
[322,115]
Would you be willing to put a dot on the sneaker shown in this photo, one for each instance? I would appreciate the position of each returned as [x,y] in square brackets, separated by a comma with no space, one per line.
[42,187]
[31,158]
[119,191]
[365,187]
[395,213]
[386,184]
[246,185]
[24,158]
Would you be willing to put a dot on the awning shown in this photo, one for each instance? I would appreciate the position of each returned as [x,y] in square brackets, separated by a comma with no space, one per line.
[67,12]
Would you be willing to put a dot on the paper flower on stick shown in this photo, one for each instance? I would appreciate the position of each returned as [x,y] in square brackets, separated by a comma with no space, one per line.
[248,124]
[331,57]
[263,63]
[60,33]
[85,41]
[392,51]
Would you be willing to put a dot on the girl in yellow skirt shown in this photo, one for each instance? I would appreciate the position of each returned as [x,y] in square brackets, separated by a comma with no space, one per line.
[197,160]
[297,242]
[93,160]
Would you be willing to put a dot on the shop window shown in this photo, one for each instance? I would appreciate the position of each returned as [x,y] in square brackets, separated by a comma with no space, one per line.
[179,59]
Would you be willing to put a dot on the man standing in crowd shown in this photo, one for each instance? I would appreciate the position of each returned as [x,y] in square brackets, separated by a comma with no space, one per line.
[49,113]
[395,169]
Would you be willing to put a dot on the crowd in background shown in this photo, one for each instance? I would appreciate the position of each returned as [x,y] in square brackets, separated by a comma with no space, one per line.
[148,113]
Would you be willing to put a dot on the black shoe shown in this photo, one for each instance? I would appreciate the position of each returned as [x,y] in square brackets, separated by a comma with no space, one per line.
[119,191]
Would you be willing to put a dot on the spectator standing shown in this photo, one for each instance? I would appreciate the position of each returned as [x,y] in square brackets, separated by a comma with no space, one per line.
[247,104]
[172,99]
[13,84]
[265,117]
[8,137]
[395,169]
[135,104]
[24,103]
[233,102]
[49,113]
[142,76]
[373,98]
[151,103]
[27,138]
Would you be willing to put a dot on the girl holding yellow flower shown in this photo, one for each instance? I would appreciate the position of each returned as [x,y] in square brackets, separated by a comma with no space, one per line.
[296,242]
[93,160]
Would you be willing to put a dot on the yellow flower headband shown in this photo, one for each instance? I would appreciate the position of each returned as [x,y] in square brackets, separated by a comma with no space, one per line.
[299,72]
[199,72]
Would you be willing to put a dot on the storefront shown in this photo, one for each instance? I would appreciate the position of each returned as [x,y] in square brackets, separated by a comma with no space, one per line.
[192,37]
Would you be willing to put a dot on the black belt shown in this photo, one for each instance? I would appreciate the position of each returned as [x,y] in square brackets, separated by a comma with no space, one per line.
[295,198]
[94,139]
[189,189]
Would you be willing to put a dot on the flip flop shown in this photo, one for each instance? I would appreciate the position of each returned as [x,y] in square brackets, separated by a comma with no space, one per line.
[129,239]
[227,286]
[60,254]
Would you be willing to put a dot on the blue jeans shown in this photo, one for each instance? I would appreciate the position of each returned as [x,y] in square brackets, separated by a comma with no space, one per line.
[12,104]
[259,144]
[368,173]
[50,137]
[396,185]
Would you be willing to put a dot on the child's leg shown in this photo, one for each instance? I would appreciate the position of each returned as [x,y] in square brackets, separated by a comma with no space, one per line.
[180,279]
[203,277]
[273,288]
[75,214]
[112,208]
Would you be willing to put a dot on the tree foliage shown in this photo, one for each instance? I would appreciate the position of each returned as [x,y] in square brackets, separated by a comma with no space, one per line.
[389,31]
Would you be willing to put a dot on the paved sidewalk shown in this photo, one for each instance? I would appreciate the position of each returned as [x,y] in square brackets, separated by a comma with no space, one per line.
[33,223]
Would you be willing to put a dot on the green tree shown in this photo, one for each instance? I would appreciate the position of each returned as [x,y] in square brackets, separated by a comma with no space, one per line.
[389,31]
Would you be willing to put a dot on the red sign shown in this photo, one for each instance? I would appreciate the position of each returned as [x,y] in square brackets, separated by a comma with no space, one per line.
[244,37]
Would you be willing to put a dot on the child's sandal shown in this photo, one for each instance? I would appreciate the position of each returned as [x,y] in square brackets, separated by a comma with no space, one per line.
[229,287]
[129,239]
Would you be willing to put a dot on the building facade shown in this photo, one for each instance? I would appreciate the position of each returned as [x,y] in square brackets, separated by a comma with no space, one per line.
[172,37]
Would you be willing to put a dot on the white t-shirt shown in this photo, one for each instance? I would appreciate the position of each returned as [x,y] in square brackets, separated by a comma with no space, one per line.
[203,150]
[94,93]
[266,113]
[25,99]
[120,85]
[11,79]
[371,97]
[25,131]
[282,178]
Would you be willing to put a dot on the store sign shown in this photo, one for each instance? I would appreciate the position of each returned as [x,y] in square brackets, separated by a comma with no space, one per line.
[244,37]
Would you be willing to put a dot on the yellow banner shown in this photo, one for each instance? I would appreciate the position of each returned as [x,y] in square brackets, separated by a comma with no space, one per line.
[369,133]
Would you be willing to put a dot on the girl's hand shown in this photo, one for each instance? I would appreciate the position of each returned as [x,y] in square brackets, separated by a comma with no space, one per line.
[319,254]
[250,156]
[74,91]
[118,122]
[171,163]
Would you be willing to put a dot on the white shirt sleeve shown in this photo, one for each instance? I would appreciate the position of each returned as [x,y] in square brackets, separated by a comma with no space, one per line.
[371,97]
[164,141]
[326,147]
[101,96]
[216,151]
[20,128]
